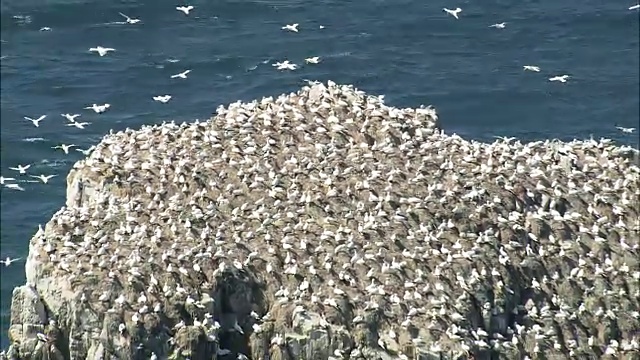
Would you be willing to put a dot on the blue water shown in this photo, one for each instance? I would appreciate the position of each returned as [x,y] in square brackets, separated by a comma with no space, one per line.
[411,51]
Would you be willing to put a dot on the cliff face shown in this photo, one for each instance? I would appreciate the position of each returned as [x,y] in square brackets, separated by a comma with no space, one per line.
[324,224]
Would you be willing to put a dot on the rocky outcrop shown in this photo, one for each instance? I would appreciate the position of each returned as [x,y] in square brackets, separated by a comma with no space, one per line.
[324,224]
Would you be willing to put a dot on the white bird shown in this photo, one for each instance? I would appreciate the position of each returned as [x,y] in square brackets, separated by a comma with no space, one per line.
[88,151]
[292,27]
[625,130]
[560,78]
[64,147]
[8,261]
[185,9]
[44,178]
[102,51]
[182,75]
[635,7]
[531,68]
[79,125]
[22,169]
[45,28]
[285,65]
[128,19]
[162,98]
[98,108]
[454,12]
[36,122]
[312,60]
[70,117]
[501,25]
[4,179]
[14,187]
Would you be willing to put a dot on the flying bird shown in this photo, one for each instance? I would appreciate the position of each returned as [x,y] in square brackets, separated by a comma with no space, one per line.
[8,261]
[635,7]
[36,122]
[22,169]
[626,129]
[453,12]
[70,117]
[560,78]
[162,98]
[44,178]
[312,60]
[14,187]
[501,25]
[292,27]
[128,19]
[98,108]
[102,51]
[4,179]
[64,147]
[79,125]
[531,68]
[182,75]
[185,9]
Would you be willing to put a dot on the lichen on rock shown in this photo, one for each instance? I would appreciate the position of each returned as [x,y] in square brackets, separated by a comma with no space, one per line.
[324,224]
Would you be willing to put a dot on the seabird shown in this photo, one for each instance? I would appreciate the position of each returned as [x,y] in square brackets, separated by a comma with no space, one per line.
[129,19]
[560,78]
[312,60]
[102,51]
[501,25]
[182,75]
[625,129]
[14,187]
[531,68]
[44,178]
[454,12]
[64,147]
[79,125]
[162,98]
[185,9]
[98,108]
[22,169]
[36,122]
[3,179]
[635,7]
[292,27]
[8,261]
[69,117]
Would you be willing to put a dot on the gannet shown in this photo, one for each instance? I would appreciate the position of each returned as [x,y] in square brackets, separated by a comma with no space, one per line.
[625,130]
[162,98]
[44,178]
[102,51]
[8,261]
[22,169]
[454,12]
[312,60]
[501,25]
[3,179]
[14,187]
[129,20]
[98,108]
[45,28]
[69,117]
[635,7]
[561,78]
[285,65]
[292,27]
[79,125]
[36,122]
[531,68]
[185,9]
[182,75]
[64,147]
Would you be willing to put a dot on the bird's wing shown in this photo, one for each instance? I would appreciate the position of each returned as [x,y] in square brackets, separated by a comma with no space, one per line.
[123,15]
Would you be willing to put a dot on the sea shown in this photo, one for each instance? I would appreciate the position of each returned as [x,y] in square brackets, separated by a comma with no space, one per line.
[410,51]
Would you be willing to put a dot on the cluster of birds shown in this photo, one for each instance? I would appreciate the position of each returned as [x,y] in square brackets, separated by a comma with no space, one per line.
[347,211]
[556,78]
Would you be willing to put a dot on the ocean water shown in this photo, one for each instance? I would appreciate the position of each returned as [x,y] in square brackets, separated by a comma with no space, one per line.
[411,51]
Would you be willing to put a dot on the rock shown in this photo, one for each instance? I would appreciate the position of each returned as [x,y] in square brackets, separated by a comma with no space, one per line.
[324,224]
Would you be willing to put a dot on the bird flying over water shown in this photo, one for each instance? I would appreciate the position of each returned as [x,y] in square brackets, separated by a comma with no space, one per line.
[501,25]
[185,9]
[162,98]
[312,60]
[292,27]
[64,147]
[44,178]
[128,19]
[98,108]
[182,75]
[531,68]
[560,78]
[453,12]
[22,169]
[102,51]
[70,117]
[36,122]
[625,129]
[8,261]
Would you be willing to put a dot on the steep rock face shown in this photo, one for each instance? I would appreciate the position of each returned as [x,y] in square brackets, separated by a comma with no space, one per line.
[324,224]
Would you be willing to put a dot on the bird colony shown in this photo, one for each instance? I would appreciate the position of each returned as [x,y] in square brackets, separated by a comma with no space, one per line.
[324,224]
